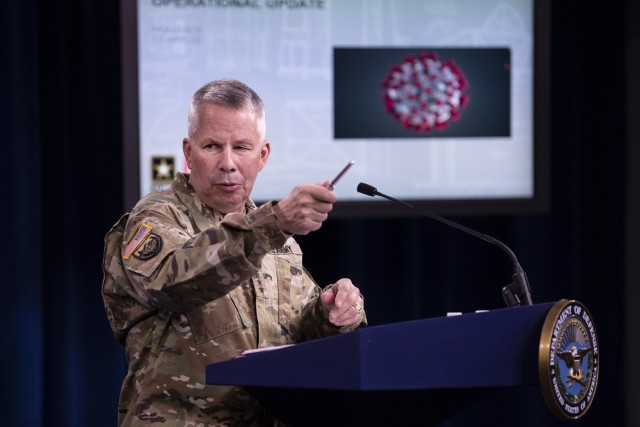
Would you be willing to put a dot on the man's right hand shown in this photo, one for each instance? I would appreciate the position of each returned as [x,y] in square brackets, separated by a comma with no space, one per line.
[305,208]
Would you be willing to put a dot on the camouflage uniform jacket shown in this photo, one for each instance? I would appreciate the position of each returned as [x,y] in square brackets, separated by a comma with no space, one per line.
[185,287]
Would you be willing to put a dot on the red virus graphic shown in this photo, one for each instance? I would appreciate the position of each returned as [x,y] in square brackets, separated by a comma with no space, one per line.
[425,93]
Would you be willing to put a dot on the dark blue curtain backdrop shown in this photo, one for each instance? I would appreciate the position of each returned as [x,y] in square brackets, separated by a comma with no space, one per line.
[61,129]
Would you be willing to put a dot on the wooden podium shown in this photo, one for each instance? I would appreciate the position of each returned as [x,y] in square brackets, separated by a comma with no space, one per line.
[394,374]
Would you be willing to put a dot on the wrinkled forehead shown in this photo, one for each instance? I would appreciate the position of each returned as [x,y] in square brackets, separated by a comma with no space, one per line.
[214,120]
[204,111]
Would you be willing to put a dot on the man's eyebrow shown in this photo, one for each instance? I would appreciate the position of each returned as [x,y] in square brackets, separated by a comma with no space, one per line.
[244,141]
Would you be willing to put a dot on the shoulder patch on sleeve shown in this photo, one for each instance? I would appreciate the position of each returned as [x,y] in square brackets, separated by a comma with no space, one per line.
[150,248]
[140,236]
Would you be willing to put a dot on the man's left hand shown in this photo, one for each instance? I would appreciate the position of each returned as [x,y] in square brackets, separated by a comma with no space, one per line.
[343,302]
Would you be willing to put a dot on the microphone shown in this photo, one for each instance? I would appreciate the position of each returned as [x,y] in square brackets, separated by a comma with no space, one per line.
[516,293]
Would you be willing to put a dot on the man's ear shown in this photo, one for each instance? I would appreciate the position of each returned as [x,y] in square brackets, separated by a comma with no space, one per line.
[186,150]
[264,153]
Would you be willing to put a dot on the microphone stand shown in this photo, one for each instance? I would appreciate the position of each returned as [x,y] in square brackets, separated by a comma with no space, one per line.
[517,293]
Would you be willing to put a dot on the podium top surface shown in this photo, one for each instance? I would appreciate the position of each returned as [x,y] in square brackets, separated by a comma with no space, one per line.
[497,348]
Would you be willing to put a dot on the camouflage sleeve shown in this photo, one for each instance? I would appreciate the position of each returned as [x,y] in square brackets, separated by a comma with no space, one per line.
[179,272]
[315,318]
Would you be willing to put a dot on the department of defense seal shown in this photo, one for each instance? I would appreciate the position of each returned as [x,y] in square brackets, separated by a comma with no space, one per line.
[568,359]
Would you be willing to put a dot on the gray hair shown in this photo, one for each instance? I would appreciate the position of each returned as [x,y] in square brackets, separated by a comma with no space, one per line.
[227,93]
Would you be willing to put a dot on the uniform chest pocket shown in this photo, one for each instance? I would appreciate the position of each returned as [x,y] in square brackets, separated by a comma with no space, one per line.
[279,287]
[215,319]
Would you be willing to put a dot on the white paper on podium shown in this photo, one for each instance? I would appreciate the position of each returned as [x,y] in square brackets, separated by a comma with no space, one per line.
[260,350]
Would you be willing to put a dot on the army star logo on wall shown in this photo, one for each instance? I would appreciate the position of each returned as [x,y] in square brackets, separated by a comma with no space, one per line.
[163,170]
[568,359]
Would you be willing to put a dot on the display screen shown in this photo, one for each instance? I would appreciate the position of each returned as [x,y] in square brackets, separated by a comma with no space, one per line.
[434,100]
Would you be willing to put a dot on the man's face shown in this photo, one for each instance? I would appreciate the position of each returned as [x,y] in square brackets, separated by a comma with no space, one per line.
[225,156]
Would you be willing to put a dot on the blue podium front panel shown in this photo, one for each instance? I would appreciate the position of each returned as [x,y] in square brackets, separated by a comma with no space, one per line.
[479,350]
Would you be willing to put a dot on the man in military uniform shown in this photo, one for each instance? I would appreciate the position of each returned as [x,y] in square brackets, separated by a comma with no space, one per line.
[197,274]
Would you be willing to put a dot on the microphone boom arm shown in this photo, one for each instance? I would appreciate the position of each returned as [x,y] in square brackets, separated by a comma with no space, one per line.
[516,293]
